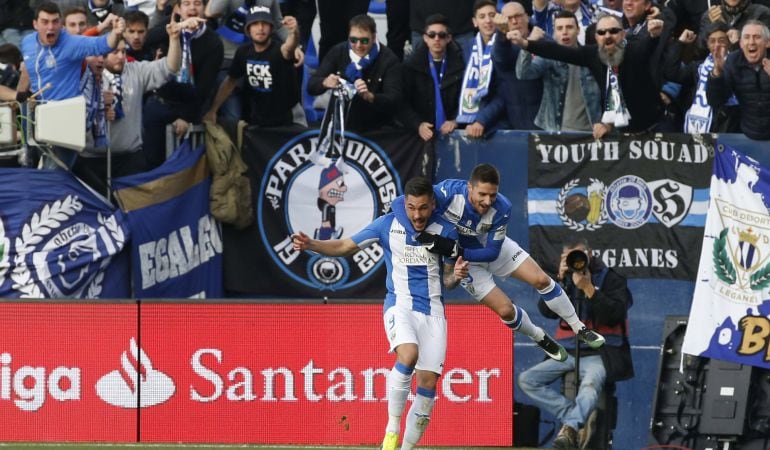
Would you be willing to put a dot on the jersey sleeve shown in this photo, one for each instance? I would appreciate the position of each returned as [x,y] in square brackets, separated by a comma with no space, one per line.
[495,238]
[371,233]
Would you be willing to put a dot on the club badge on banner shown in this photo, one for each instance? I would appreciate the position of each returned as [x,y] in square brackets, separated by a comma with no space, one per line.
[731,302]
[176,249]
[58,239]
[301,185]
[639,200]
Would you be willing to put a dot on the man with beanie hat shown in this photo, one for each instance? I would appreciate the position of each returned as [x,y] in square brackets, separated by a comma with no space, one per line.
[271,86]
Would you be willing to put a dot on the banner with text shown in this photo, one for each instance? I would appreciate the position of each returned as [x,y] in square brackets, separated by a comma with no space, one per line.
[299,185]
[640,200]
[58,239]
[176,250]
[236,373]
[731,302]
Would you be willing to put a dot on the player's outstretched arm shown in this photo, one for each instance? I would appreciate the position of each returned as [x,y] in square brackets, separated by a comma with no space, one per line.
[332,247]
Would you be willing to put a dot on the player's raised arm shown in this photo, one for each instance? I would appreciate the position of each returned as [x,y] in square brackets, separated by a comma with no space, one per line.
[332,247]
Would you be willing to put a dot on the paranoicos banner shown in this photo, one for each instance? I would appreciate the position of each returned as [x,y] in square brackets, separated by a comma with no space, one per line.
[58,239]
[731,302]
[176,249]
[640,201]
[327,193]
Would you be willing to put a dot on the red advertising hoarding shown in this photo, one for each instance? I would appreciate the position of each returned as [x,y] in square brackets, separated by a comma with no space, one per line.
[236,373]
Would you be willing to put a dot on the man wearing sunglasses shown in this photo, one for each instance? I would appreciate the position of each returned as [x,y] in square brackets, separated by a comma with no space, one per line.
[630,95]
[373,69]
[432,80]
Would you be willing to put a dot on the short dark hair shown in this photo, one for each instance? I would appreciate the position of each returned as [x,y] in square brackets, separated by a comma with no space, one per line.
[363,21]
[10,54]
[418,186]
[713,27]
[576,240]
[485,173]
[136,16]
[74,10]
[604,15]
[49,7]
[564,14]
[437,18]
[478,4]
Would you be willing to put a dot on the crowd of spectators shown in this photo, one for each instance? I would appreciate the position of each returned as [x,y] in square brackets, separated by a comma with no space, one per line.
[599,66]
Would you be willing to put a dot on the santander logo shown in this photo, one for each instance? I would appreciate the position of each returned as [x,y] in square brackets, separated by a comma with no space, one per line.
[122,387]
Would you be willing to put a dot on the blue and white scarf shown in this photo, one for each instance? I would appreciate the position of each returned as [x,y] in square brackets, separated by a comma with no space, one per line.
[115,83]
[478,76]
[186,71]
[96,122]
[355,70]
[101,12]
[615,110]
[698,118]
[437,77]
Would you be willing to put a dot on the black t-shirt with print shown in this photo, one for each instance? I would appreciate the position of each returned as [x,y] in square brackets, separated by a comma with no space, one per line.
[270,84]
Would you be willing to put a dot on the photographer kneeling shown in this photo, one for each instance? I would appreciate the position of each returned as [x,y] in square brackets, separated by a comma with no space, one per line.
[601,299]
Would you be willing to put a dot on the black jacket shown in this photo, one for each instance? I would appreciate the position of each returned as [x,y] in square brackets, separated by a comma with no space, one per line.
[639,88]
[419,93]
[207,55]
[725,119]
[383,79]
[751,86]
[605,312]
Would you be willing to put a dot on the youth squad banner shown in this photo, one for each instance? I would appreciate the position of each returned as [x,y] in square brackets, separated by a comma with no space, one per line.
[731,302]
[58,239]
[326,194]
[176,250]
[640,201]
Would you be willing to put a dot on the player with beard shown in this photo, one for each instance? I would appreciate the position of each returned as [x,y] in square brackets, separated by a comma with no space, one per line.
[271,87]
[414,307]
[630,95]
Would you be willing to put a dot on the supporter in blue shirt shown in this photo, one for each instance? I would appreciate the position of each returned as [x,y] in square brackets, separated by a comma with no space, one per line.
[52,60]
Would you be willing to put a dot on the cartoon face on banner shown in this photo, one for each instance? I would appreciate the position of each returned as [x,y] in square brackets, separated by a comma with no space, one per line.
[61,255]
[326,197]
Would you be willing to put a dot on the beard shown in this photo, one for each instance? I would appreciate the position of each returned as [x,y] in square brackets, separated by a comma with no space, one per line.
[612,59]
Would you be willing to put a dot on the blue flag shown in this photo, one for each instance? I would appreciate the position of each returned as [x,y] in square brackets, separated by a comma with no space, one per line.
[58,239]
[176,249]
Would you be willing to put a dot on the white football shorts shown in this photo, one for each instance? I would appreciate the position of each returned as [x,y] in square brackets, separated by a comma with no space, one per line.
[403,326]
[481,282]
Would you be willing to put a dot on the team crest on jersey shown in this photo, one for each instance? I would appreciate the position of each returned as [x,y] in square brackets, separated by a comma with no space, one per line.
[327,193]
[63,254]
[628,202]
[581,207]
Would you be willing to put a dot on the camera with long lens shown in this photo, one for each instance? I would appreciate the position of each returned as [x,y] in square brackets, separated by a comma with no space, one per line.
[577,261]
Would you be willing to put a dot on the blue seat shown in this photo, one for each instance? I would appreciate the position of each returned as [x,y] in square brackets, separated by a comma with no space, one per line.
[377,7]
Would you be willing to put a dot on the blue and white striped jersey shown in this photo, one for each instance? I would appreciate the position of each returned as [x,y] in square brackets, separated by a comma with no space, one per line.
[414,273]
[481,236]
